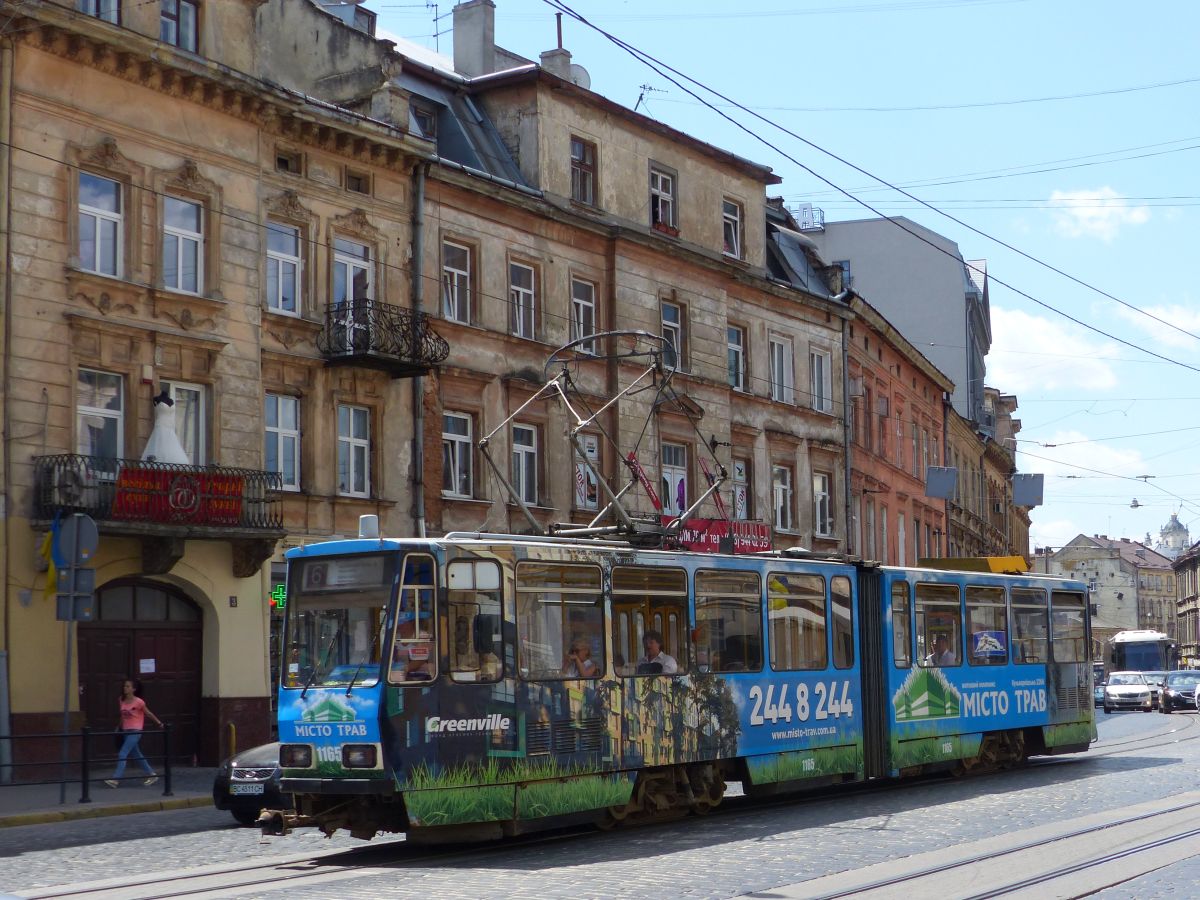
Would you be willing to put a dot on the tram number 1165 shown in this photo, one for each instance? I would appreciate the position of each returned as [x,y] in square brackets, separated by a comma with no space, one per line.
[828,703]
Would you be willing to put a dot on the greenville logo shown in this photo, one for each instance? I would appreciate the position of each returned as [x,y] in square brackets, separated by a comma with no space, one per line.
[926,694]
[494,722]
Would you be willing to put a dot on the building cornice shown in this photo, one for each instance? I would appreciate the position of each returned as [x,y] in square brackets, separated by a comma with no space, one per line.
[156,66]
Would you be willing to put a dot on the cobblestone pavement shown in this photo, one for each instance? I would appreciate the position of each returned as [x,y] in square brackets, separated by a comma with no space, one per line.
[721,856]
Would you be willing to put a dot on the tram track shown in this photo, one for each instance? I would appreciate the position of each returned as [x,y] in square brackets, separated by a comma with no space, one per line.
[1127,845]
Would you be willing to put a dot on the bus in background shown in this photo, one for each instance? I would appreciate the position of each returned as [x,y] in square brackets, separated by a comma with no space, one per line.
[1141,651]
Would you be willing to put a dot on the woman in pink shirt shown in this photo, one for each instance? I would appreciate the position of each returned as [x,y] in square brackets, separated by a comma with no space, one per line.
[133,718]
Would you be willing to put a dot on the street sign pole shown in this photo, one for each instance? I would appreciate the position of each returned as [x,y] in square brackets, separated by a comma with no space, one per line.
[77,542]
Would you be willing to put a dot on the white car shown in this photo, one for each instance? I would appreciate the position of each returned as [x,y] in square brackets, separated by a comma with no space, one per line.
[1128,690]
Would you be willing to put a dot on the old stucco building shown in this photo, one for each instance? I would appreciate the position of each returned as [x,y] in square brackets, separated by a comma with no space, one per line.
[339,262]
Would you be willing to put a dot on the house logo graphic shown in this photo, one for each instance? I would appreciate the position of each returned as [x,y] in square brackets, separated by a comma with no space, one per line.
[926,694]
[328,709]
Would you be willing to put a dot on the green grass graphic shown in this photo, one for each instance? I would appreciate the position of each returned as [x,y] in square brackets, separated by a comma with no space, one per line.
[799,764]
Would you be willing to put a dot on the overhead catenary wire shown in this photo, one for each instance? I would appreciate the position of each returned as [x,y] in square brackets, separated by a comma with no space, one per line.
[667,71]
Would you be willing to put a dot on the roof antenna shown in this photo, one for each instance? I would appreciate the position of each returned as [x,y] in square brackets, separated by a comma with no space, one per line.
[642,95]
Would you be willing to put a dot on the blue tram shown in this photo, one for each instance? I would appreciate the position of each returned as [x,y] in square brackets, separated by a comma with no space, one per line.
[476,686]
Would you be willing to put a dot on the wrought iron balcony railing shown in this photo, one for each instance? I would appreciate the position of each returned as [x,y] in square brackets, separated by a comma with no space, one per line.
[382,336]
[158,494]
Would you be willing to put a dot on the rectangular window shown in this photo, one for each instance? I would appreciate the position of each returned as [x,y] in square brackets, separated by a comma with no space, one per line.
[869,529]
[797,621]
[901,627]
[741,489]
[183,245]
[101,225]
[781,482]
[474,599]
[587,489]
[674,333]
[583,314]
[353,288]
[177,24]
[987,626]
[190,419]
[735,343]
[283,268]
[674,479]
[426,118]
[560,621]
[282,442]
[456,455]
[522,285]
[939,617]
[885,548]
[414,647]
[583,171]
[820,385]
[1030,625]
[822,504]
[354,451]
[841,602]
[782,383]
[916,452]
[99,415]
[731,215]
[358,182]
[525,462]
[662,198]
[108,10]
[456,282]
[649,621]
[729,621]
[1070,636]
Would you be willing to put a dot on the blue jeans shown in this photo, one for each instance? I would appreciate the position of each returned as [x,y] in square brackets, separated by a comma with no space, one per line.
[131,746]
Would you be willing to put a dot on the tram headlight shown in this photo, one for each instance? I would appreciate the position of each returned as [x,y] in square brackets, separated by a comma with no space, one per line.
[295,756]
[360,756]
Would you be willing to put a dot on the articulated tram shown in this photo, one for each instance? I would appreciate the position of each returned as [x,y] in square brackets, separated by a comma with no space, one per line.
[476,686]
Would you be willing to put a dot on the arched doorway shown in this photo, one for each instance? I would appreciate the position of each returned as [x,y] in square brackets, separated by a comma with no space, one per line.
[153,632]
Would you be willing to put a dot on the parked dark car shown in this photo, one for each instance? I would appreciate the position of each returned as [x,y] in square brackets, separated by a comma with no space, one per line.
[1155,680]
[248,782]
[1179,690]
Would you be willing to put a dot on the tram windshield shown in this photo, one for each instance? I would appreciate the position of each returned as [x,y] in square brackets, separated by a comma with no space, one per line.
[335,615]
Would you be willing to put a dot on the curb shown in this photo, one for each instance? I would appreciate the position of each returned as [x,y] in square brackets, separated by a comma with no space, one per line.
[44,817]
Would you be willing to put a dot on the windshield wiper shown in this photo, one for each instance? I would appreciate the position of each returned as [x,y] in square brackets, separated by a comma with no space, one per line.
[324,658]
[367,656]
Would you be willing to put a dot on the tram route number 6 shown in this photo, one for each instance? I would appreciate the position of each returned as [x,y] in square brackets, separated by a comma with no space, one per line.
[827,704]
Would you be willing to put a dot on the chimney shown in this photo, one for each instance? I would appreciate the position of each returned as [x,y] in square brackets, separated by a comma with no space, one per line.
[475,38]
[557,62]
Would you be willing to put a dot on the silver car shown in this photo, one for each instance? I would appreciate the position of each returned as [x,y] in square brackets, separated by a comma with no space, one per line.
[1127,690]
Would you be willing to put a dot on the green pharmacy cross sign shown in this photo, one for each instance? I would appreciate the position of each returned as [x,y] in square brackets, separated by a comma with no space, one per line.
[279,596]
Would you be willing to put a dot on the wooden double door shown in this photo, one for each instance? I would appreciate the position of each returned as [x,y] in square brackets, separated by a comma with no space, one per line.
[151,632]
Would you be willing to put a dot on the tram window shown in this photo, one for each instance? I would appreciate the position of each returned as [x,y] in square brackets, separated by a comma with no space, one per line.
[796,621]
[939,621]
[729,621]
[843,622]
[414,650]
[476,617]
[987,626]
[901,627]
[1070,639]
[1030,626]
[648,599]
[558,609]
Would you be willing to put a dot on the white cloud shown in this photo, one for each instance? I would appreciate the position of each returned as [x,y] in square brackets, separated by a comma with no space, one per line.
[1034,353]
[1099,213]
[1186,317]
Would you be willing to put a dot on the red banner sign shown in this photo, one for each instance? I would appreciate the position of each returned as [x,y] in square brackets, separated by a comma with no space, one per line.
[707,535]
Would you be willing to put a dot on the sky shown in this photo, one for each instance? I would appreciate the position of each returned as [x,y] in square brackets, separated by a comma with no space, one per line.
[1060,134]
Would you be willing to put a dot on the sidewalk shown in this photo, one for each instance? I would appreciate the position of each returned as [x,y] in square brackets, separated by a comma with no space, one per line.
[36,804]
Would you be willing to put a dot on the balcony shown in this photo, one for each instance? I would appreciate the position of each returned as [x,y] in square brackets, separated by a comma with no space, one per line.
[163,505]
[377,335]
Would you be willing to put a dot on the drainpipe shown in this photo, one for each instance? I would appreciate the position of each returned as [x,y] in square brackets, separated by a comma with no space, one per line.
[418,392]
[846,435]
[6,511]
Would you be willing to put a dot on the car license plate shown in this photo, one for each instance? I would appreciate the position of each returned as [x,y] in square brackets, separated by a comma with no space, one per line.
[237,789]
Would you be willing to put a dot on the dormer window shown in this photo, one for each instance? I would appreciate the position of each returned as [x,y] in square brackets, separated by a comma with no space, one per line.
[426,119]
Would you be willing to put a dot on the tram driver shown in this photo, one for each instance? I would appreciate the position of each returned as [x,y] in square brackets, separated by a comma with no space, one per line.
[655,660]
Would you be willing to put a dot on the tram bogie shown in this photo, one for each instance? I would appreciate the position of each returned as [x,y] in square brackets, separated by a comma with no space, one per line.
[475,687]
